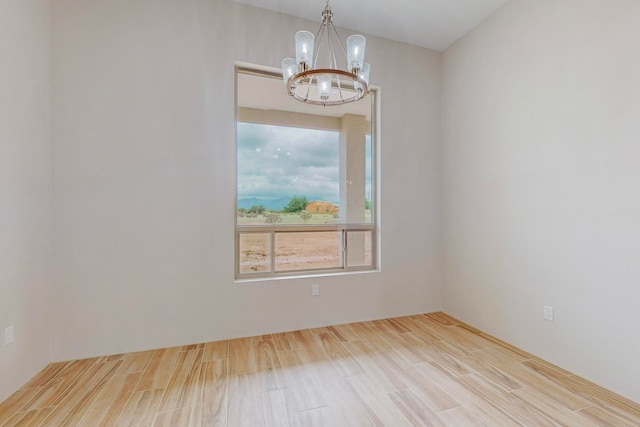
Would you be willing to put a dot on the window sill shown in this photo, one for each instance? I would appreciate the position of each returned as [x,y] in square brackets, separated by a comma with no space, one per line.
[311,276]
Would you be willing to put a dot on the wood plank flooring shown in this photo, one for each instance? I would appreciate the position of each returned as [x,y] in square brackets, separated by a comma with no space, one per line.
[423,370]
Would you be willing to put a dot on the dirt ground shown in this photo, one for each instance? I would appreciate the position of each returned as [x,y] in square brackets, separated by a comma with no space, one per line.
[296,251]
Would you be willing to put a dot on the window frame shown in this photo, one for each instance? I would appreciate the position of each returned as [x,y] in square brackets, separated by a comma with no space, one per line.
[274,229]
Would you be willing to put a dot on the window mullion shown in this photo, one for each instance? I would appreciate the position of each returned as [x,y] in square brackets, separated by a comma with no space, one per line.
[273,251]
[344,249]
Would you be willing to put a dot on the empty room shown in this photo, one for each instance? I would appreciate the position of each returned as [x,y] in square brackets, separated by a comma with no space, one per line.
[313,213]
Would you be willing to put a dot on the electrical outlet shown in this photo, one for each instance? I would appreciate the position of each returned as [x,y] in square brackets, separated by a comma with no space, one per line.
[315,290]
[8,335]
[548,313]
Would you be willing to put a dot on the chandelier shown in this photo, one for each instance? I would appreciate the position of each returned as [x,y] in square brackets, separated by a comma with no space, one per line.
[307,82]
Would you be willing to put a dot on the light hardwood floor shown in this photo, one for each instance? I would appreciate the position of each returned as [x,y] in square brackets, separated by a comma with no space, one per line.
[424,370]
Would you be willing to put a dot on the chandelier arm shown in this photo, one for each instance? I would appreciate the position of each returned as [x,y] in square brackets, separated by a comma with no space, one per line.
[331,65]
[332,57]
[333,52]
[309,87]
[344,50]
[318,40]
[335,61]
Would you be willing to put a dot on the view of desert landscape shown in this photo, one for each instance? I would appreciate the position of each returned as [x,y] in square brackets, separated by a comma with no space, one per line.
[308,250]
[296,251]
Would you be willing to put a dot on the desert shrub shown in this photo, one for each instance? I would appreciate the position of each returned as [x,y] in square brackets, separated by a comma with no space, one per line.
[306,216]
[336,215]
[257,209]
[272,218]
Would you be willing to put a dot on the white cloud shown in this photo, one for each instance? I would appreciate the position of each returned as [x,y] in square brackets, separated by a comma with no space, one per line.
[309,168]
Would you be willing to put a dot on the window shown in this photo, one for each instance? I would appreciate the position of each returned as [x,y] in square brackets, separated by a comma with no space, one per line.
[305,182]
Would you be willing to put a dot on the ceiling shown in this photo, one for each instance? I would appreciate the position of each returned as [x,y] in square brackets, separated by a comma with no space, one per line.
[434,24]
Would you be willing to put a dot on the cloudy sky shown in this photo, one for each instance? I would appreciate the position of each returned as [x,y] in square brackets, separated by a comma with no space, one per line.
[275,161]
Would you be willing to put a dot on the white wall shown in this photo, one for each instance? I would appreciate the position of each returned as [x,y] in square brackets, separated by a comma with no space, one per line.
[541,143]
[25,188]
[144,170]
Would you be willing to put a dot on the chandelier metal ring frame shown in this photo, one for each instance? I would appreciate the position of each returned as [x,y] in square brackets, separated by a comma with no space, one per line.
[326,86]
[359,93]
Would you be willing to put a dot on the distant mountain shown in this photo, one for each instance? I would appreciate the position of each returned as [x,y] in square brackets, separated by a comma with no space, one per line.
[269,204]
